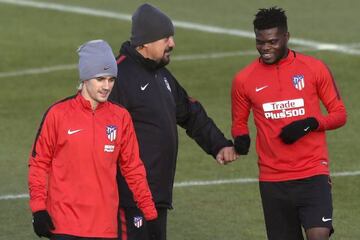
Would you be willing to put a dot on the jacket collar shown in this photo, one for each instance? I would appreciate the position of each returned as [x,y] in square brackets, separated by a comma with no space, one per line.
[85,104]
[128,50]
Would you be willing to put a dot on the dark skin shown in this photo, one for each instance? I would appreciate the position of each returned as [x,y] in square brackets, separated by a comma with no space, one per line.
[272,46]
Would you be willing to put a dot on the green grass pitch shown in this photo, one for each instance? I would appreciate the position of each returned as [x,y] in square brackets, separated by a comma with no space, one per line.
[204,63]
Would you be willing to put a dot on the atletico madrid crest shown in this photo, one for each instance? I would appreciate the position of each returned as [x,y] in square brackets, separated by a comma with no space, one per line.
[111,132]
[167,84]
[138,221]
[299,82]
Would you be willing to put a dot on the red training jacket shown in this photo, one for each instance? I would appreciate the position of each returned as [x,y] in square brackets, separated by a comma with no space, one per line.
[279,94]
[73,167]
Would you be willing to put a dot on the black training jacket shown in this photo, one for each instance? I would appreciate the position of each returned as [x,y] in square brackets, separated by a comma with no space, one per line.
[157,103]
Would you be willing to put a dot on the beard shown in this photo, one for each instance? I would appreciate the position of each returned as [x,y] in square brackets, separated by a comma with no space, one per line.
[165,60]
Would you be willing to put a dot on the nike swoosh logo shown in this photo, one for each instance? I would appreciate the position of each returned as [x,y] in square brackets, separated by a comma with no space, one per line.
[260,88]
[106,68]
[326,219]
[306,129]
[144,87]
[74,131]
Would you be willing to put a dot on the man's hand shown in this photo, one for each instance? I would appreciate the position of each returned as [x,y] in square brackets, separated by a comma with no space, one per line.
[42,224]
[226,155]
[242,144]
[297,129]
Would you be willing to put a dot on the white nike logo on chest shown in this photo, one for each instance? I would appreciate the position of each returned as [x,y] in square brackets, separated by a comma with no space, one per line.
[70,132]
[144,87]
[260,88]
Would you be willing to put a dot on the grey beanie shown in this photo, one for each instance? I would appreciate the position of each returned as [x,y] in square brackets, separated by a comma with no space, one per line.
[96,59]
[149,24]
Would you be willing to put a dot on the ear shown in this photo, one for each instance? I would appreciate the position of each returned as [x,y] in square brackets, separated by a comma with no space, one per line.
[83,88]
[143,49]
[287,35]
[138,48]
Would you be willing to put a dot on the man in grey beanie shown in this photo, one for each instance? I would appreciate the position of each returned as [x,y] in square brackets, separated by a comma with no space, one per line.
[95,60]
[157,104]
[80,144]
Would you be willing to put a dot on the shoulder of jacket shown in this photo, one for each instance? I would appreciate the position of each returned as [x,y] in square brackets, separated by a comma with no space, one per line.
[129,70]
[116,106]
[168,73]
[247,70]
[310,61]
[117,109]
[58,110]
[62,105]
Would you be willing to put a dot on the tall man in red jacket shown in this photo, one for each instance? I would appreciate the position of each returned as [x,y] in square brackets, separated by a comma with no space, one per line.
[81,142]
[284,89]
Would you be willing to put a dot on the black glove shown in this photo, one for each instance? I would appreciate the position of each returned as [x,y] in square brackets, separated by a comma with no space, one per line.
[242,144]
[154,228]
[42,224]
[297,129]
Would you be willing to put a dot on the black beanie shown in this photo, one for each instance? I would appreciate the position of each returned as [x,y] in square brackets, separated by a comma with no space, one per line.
[149,24]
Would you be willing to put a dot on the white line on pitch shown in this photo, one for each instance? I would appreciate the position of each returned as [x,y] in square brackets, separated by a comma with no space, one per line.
[215,182]
[198,183]
[352,45]
[42,70]
[247,180]
[180,24]
[14,196]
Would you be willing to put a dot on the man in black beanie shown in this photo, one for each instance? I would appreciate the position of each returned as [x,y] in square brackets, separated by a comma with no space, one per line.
[157,104]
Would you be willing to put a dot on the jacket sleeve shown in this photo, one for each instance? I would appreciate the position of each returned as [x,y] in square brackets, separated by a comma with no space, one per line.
[133,170]
[331,99]
[240,108]
[191,116]
[40,162]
